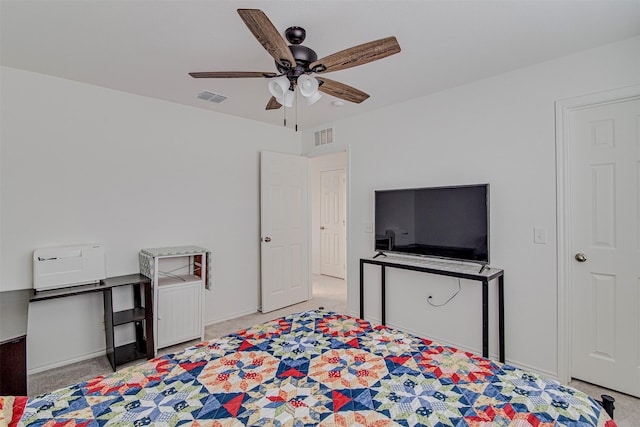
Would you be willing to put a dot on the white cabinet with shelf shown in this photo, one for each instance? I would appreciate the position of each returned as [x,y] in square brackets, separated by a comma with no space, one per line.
[179,275]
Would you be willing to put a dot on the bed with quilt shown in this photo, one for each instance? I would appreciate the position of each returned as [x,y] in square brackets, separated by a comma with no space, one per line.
[315,368]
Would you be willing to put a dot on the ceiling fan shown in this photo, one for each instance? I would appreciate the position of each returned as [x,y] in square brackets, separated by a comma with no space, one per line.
[295,63]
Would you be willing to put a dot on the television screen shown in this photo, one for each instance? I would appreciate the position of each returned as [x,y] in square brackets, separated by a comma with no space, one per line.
[441,222]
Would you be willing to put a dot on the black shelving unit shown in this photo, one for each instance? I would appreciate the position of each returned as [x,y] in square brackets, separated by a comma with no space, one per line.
[141,316]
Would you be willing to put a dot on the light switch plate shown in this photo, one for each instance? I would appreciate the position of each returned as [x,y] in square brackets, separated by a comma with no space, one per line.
[539,235]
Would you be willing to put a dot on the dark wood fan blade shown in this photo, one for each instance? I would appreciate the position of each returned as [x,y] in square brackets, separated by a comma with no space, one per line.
[341,90]
[357,55]
[268,36]
[273,104]
[230,74]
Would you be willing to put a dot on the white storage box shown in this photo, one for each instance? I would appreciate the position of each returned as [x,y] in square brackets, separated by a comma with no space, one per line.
[65,266]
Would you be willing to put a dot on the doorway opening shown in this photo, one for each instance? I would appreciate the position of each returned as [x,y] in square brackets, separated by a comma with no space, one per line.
[328,180]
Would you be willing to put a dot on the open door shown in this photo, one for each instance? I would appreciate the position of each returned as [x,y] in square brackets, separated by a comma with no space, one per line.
[284,228]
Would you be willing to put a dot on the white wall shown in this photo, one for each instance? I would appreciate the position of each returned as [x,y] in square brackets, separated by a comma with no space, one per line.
[87,164]
[498,130]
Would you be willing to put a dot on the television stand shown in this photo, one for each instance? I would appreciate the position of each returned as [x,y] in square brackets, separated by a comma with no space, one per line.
[483,268]
[445,269]
[379,253]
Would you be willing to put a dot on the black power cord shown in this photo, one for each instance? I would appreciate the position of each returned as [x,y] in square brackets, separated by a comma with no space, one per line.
[447,301]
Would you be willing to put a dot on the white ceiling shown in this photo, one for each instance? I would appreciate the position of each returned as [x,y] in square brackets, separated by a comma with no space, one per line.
[148,47]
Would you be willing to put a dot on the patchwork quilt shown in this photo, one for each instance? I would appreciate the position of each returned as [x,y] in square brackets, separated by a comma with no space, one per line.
[317,368]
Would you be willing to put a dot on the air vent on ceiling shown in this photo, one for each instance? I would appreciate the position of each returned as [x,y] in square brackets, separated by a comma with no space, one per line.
[210,96]
[323,137]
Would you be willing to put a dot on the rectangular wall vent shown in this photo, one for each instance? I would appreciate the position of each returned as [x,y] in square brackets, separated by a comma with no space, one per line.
[323,137]
[212,97]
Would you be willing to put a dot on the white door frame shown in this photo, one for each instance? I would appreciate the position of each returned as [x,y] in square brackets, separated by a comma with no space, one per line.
[563,214]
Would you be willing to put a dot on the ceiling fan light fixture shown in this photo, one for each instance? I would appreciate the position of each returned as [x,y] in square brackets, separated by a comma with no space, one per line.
[309,88]
[287,99]
[313,98]
[278,87]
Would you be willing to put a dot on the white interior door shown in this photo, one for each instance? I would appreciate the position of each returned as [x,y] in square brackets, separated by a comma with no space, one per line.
[605,240]
[333,223]
[284,219]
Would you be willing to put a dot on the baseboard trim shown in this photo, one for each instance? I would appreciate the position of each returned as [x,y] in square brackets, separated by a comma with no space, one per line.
[232,316]
[66,362]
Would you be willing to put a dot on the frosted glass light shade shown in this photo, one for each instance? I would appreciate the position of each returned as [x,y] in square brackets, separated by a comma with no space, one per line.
[309,88]
[287,100]
[278,86]
[313,98]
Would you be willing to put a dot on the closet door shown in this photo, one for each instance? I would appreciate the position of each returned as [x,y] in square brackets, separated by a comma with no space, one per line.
[605,230]
[333,220]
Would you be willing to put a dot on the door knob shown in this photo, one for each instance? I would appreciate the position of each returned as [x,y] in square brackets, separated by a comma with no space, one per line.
[580,257]
[267,239]
[322,227]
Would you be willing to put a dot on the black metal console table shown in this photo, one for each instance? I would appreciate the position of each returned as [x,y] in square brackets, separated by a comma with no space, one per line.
[446,269]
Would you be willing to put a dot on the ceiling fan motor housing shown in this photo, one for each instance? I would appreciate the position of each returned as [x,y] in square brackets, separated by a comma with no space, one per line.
[303,56]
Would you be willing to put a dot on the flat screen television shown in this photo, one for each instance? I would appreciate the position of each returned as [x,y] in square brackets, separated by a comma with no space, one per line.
[441,222]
